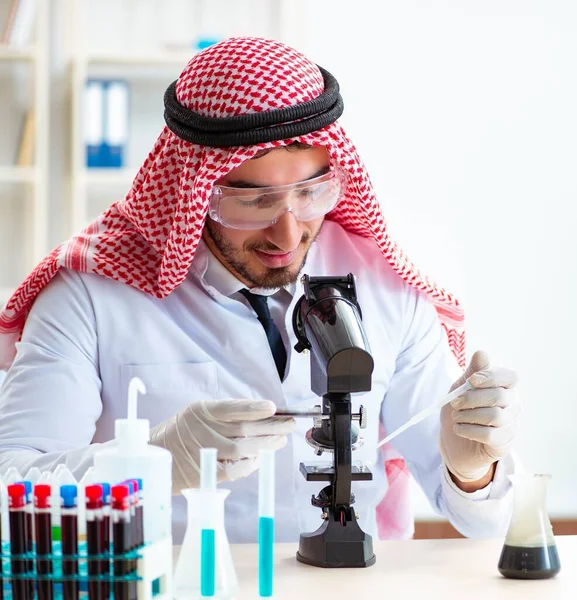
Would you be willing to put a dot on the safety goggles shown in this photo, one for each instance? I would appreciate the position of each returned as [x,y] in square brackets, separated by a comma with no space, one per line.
[259,208]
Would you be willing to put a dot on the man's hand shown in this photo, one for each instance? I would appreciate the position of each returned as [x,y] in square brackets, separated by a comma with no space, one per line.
[478,428]
[238,429]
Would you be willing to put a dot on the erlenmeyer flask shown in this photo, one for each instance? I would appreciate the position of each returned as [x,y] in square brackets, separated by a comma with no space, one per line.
[205,514]
[530,551]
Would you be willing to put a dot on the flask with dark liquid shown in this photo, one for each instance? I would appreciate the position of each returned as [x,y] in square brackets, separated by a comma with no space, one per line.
[530,551]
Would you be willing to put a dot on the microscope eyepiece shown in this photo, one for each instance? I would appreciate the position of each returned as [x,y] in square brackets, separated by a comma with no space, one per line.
[327,321]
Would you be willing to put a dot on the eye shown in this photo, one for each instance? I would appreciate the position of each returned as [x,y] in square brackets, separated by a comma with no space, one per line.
[264,201]
[307,194]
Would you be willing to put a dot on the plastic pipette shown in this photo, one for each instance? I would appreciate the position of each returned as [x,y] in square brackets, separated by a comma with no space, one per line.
[427,412]
[266,483]
[208,534]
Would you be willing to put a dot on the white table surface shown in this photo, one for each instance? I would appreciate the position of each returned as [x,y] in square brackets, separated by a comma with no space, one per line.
[429,569]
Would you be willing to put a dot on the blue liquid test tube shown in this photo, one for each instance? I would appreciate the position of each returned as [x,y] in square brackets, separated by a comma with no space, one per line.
[208,457]
[266,485]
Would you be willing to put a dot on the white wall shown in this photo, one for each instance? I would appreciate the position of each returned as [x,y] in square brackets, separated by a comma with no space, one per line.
[465,115]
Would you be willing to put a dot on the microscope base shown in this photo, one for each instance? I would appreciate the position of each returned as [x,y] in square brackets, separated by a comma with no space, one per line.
[335,546]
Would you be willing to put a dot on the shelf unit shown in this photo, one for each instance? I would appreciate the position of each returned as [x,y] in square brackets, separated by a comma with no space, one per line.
[18,174]
[108,183]
[92,188]
[32,180]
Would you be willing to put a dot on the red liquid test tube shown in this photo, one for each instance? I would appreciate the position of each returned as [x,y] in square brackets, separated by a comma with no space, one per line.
[132,536]
[121,534]
[106,526]
[18,539]
[95,543]
[43,530]
[69,536]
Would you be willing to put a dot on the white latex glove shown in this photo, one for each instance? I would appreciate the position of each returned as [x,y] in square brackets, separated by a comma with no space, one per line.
[478,428]
[238,429]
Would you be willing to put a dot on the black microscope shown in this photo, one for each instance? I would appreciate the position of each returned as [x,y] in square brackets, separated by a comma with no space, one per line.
[327,323]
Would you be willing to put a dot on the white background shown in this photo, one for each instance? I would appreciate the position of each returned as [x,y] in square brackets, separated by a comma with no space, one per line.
[466,115]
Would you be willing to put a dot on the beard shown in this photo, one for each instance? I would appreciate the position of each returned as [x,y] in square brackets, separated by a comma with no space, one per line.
[266,277]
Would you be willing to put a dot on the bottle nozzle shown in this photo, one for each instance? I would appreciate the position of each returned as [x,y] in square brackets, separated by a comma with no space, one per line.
[132,431]
[135,387]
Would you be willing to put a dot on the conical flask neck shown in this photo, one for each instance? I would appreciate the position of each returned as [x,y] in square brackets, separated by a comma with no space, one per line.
[206,507]
[530,490]
[530,524]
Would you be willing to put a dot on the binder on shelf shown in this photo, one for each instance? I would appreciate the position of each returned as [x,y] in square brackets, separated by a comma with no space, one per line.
[116,123]
[25,157]
[94,123]
[106,123]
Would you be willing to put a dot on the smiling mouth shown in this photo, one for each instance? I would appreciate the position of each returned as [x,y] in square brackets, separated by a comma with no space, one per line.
[275,260]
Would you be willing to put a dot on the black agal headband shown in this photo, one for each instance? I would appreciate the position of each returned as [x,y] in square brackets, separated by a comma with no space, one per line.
[254,128]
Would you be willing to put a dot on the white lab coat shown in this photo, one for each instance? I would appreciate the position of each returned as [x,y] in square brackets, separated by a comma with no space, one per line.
[87,336]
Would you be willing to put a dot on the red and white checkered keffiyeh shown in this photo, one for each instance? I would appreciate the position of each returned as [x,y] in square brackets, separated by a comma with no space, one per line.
[148,239]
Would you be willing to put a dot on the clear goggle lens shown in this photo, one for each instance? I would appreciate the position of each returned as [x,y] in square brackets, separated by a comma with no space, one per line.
[259,208]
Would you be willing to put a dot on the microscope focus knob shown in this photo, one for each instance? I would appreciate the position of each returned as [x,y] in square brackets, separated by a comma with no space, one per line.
[361,417]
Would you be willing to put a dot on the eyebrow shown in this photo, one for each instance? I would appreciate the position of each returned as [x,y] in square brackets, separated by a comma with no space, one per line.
[243,183]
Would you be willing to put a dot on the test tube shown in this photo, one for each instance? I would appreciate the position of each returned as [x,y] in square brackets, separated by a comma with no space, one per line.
[69,534]
[138,512]
[105,564]
[43,529]
[121,538]
[61,476]
[208,468]
[29,510]
[131,540]
[94,540]
[18,541]
[266,486]
[131,533]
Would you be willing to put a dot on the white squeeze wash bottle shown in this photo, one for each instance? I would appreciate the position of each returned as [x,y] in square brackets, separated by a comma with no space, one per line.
[132,457]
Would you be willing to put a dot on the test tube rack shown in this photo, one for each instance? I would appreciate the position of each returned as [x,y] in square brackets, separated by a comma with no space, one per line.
[153,573]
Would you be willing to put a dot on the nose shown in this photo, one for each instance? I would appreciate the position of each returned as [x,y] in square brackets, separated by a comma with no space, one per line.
[286,233]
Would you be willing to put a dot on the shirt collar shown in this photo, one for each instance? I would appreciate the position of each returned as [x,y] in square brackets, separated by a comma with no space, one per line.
[217,276]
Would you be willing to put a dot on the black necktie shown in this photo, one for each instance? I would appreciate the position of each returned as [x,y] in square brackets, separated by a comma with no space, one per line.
[260,306]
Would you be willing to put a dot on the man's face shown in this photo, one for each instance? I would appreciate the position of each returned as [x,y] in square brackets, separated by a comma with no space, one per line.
[272,257]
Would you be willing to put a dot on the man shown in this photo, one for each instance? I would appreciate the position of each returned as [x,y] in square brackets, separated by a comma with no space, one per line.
[190,283]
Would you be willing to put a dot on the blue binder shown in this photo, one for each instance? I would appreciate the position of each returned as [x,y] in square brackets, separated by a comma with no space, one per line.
[115,123]
[94,122]
[106,123]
